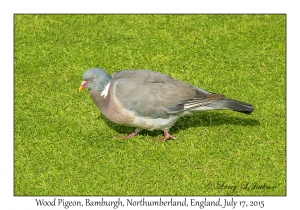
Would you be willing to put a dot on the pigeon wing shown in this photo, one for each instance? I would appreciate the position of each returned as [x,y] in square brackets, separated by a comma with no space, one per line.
[151,94]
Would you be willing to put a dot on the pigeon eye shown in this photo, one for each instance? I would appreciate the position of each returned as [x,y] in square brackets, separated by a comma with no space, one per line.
[94,76]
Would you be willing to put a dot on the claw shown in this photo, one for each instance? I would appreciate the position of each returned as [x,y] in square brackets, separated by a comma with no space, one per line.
[167,136]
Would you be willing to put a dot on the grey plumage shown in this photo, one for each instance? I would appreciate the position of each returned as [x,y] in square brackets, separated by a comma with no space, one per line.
[150,100]
[233,105]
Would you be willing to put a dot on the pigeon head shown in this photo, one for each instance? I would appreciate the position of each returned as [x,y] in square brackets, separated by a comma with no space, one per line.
[95,78]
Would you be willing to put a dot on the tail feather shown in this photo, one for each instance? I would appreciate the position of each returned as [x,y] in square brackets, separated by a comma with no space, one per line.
[231,104]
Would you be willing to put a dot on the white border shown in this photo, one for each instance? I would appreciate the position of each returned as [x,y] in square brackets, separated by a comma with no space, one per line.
[8,8]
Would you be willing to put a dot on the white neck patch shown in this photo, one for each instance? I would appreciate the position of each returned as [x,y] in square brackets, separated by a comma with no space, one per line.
[105,91]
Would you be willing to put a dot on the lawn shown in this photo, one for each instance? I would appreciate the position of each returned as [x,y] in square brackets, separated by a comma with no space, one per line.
[63,145]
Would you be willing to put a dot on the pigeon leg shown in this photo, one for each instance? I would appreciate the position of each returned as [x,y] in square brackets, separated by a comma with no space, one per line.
[135,132]
[167,136]
[130,135]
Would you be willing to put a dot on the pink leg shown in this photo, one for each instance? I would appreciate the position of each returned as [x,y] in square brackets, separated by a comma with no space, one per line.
[167,136]
[135,132]
[130,135]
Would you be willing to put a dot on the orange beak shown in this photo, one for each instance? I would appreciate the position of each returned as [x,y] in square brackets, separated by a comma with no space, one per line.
[83,85]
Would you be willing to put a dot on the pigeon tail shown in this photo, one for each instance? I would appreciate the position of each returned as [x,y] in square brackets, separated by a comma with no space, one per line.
[234,105]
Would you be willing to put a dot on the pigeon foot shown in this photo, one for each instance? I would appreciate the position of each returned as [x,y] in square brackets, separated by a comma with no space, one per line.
[167,136]
[135,132]
[130,135]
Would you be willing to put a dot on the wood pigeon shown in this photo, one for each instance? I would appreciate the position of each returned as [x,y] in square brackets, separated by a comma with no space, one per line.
[150,100]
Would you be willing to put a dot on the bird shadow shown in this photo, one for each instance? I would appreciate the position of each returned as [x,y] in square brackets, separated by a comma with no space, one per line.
[199,119]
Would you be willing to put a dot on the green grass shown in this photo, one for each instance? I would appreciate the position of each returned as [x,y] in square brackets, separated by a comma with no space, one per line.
[63,145]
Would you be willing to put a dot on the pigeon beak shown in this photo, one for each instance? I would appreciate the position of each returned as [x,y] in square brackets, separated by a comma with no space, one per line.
[83,84]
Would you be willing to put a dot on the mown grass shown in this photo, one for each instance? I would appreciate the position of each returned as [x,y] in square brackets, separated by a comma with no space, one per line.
[64,146]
